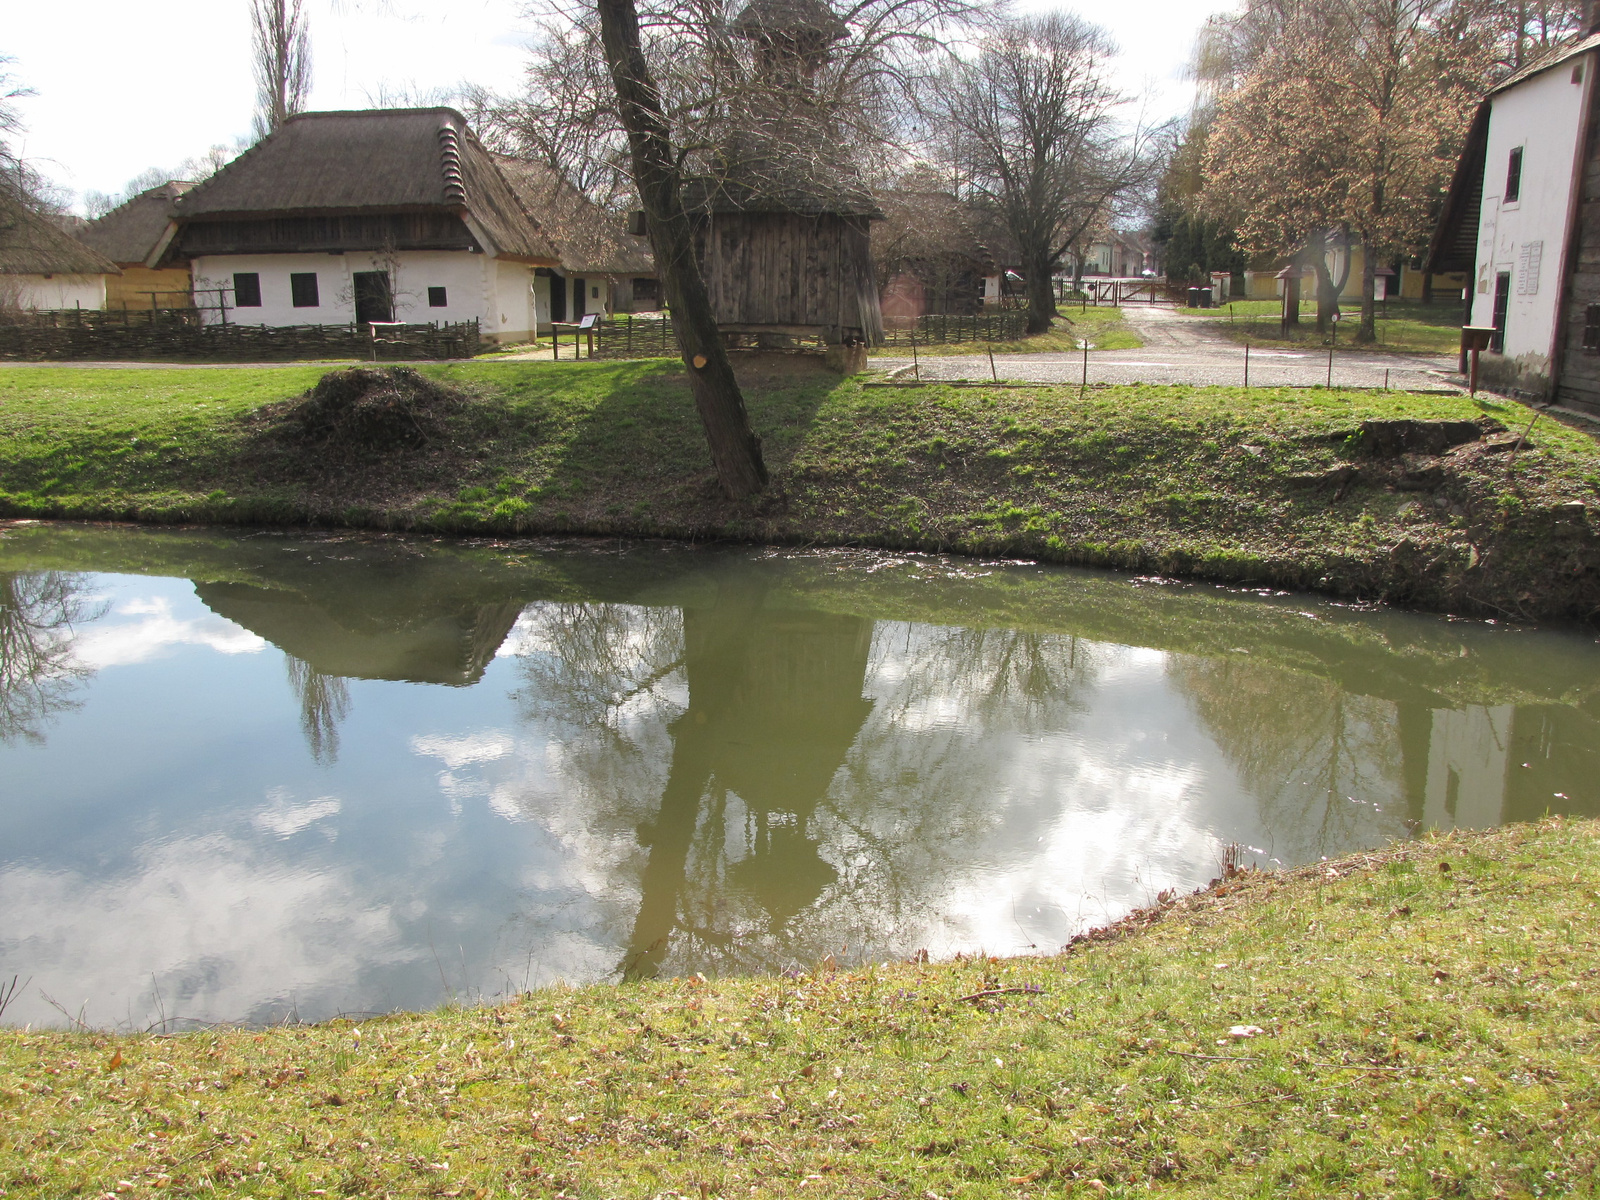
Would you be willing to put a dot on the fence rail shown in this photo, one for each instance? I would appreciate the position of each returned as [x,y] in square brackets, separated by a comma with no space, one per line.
[932,329]
[73,334]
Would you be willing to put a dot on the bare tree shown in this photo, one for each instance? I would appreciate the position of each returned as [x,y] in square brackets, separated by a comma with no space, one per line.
[658,174]
[1032,123]
[282,62]
[38,671]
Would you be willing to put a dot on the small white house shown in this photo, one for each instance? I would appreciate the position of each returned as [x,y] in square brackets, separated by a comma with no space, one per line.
[353,217]
[1520,222]
[42,266]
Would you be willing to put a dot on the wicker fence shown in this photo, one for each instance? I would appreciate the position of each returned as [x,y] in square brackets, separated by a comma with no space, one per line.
[651,337]
[73,334]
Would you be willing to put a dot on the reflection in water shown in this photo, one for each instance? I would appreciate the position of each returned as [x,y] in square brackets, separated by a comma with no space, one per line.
[324,701]
[1325,766]
[39,612]
[533,764]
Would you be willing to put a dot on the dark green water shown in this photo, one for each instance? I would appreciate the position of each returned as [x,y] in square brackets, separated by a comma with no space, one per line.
[248,776]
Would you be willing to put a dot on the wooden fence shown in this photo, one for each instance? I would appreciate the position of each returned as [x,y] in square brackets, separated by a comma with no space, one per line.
[76,335]
[1008,325]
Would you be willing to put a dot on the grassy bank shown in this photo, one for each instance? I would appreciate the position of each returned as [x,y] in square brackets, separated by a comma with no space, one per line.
[1417,1022]
[1403,326]
[1264,486]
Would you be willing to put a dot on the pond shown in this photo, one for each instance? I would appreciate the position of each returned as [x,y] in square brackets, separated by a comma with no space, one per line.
[261,776]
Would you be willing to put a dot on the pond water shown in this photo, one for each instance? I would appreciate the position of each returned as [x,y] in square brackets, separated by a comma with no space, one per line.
[251,776]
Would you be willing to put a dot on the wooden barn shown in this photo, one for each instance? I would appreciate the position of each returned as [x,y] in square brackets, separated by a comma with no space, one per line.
[783,232]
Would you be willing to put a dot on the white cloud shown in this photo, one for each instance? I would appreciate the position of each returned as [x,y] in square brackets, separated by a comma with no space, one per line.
[284,818]
[152,629]
[215,926]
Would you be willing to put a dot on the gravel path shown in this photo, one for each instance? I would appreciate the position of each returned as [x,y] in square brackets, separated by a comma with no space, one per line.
[1187,350]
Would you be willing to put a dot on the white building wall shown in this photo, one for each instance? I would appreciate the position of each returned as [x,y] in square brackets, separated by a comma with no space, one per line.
[1525,238]
[54,291]
[1468,757]
[460,273]
[513,308]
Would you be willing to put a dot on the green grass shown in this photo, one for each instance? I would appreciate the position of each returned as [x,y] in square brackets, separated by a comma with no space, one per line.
[1213,482]
[1403,326]
[1105,328]
[1427,1026]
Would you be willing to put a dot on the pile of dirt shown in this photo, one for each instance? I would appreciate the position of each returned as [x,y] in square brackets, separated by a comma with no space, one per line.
[371,408]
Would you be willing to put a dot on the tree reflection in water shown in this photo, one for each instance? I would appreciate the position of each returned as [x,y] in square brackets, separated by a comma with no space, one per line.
[795,815]
[1327,767]
[38,613]
[324,703]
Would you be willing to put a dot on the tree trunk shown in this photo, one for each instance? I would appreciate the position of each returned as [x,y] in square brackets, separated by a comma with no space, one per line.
[1368,333]
[735,448]
[1041,294]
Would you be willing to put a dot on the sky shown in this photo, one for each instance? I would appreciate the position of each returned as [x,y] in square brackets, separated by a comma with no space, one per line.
[141,85]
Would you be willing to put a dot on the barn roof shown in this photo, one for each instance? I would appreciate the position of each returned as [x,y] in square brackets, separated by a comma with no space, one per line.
[764,172]
[32,244]
[1553,57]
[372,160]
[128,233]
[587,238]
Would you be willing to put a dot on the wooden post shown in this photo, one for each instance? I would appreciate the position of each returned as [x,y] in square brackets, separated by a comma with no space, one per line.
[993,374]
[1330,360]
[1083,388]
[1247,364]
[916,367]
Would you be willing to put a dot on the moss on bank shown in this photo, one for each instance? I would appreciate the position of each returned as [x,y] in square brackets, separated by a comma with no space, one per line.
[1259,486]
[1416,1022]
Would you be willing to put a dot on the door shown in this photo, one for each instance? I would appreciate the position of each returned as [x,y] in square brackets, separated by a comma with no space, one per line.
[558,298]
[374,301]
[1502,300]
[580,298]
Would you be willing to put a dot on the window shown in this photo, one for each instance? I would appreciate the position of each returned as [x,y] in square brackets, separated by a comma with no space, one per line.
[1591,327]
[246,289]
[1514,177]
[436,298]
[303,289]
[595,292]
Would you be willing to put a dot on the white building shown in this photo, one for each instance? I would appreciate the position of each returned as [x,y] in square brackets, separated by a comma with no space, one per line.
[1521,219]
[43,267]
[354,217]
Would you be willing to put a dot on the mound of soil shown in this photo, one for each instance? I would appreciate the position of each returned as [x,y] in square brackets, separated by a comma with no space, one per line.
[371,408]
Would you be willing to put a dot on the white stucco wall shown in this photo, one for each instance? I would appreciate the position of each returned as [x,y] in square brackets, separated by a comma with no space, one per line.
[513,309]
[462,275]
[1468,758]
[1525,238]
[54,291]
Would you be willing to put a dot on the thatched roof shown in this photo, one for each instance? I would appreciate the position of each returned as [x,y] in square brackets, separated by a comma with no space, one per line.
[588,239]
[790,20]
[393,160]
[32,244]
[128,233]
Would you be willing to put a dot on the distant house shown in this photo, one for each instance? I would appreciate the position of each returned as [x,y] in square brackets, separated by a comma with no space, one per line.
[1522,220]
[603,267]
[375,215]
[42,266]
[1119,254]
[128,235]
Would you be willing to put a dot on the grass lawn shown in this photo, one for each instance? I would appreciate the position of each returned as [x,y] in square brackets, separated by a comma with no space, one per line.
[1104,327]
[1409,327]
[1417,1022]
[1262,485]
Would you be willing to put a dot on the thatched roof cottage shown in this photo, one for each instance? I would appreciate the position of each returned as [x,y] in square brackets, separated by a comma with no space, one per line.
[42,266]
[128,235]
[604,268]
[376,215]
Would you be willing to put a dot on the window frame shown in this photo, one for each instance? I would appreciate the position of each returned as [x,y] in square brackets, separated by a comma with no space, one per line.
[297,283]
[252,289]
[1514,164]
[438,297]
